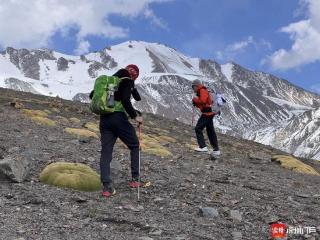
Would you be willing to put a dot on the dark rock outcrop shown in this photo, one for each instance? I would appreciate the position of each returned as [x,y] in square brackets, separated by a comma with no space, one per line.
[62,64]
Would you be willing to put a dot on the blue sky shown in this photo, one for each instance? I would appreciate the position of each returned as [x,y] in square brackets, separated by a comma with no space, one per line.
[281,37]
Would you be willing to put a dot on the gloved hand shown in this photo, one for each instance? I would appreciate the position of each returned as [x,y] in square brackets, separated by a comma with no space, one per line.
[139,119]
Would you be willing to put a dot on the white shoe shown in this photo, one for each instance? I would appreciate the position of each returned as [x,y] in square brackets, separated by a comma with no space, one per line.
[204,149]
[215,153]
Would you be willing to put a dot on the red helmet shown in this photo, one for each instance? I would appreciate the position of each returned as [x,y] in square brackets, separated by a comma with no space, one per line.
[133,71]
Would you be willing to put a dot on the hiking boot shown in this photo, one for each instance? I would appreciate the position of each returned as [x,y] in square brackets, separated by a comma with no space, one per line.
[108,191]
[134,183]
[215,153]
[204,149]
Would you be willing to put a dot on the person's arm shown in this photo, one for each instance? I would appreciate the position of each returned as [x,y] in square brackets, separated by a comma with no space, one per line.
[195,101]
[135,94]
[91,94]
[125,90]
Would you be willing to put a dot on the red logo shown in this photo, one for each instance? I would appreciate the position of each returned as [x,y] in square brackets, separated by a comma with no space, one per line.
[278,230]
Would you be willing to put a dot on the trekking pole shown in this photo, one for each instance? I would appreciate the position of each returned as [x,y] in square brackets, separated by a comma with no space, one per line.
[192,116]
[139,128]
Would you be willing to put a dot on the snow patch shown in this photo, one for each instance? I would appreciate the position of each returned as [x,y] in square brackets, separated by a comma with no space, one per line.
[227,71]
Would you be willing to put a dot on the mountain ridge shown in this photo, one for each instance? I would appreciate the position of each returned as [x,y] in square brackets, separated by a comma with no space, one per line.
[257,101]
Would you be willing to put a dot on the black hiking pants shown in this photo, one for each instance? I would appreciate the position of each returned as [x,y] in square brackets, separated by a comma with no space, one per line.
[206,122]
[112,126]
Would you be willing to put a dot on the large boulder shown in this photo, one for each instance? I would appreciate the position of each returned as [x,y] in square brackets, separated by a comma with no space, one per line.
[14,168]
[76,176]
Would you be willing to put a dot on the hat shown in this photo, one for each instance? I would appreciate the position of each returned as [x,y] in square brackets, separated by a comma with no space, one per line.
[196,82]
[135,68]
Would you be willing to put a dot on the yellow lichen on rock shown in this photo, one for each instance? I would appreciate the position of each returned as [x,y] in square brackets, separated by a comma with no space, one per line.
[71,175]
[92,126]
[43,121]
[75,120]
[79,132]
[159,151]
[34,113]
[166,139]
[62,120]
[160,130]
[294,164]
[47,111]
[55,110]
[191,146]
[151,145]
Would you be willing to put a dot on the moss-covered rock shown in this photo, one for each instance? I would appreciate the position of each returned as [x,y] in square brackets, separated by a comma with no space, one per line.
[43,121]
[55,110]
[161,131]
[34,113]
[75,120]
[78,132]
[294,164]
[92,126]
[47,111]
[166,139]
[191,146]
[62,120]
[151,144]
[159,151]
[71,175]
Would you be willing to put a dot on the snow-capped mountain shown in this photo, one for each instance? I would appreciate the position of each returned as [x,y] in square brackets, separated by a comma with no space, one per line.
[300,135]
[260,106]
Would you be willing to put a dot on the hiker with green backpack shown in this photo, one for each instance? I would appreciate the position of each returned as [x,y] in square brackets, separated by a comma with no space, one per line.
[111,100]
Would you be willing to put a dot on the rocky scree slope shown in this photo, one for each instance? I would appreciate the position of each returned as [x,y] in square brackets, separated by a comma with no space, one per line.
[239,195]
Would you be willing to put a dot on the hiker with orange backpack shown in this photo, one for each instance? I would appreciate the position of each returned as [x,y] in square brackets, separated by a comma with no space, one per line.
[204,102]
[111,100]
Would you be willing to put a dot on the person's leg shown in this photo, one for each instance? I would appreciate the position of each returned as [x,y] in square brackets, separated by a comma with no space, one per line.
[108,139]
[128,135]
[198,129]
[212,134]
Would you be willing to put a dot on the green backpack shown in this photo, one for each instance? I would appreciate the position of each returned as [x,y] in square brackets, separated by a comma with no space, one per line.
[103,97]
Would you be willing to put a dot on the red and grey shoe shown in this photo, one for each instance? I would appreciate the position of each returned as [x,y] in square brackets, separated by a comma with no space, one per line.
[136,183]
[108,191]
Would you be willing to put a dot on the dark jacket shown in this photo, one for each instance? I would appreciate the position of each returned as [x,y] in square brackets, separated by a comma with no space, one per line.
[125,90]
